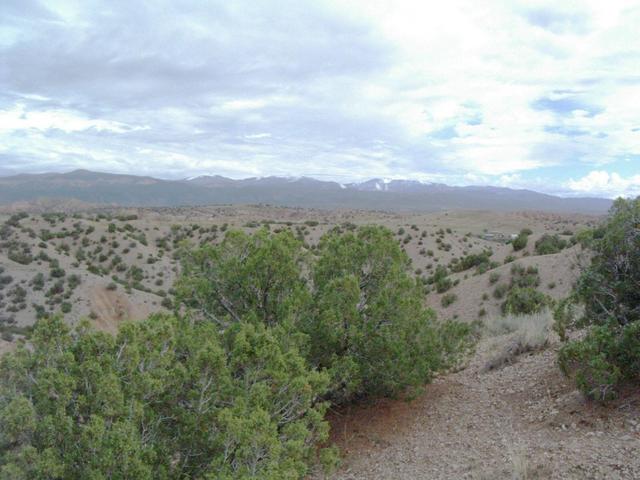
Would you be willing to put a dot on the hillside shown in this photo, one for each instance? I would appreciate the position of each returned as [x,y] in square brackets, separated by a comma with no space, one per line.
[396,195]
[117,264]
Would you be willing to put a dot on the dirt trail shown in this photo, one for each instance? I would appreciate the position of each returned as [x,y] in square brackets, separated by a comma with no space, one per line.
[523,421]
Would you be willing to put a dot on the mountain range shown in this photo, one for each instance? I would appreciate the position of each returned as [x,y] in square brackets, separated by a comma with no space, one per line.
[98,188]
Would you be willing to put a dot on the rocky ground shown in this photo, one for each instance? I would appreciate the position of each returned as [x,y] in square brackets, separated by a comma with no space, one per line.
[524,421]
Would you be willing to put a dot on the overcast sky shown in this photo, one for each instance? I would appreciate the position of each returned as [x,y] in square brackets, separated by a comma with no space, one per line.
[543,95]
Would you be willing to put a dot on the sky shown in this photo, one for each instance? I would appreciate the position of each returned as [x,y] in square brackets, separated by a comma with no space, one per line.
[525,94]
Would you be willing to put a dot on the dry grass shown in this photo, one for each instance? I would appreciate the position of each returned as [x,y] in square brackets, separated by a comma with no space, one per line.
[518,334]
[521,470]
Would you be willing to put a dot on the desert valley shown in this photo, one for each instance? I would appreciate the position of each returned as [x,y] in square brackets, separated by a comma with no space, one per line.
[319,240]
[506,411]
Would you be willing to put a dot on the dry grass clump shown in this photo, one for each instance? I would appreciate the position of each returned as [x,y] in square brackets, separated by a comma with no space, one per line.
[521,469]
[518,334]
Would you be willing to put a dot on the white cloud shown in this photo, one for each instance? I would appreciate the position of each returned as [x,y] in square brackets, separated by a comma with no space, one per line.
[603,183]
[351,88]
[17,118]
[244,104]
[450,54]
[257,136]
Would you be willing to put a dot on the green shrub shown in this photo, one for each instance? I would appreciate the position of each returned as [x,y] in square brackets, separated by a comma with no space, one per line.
[167,303]
[609,355]
[443,284]
[37,282]
[549,244]
[369,304]
[609,287]
[238,404]
[524,277]
[94,269]
[509,259]
[20,255]
[500,291]
[564,317]
[7,336]
[520,241]
[14,220]
[57,272]
[472,260]
[525,301]
[74,280]
[603,359]
[447,299]
[362,312]
[440,279]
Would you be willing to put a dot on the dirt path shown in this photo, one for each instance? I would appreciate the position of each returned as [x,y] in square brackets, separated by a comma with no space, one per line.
[523,421]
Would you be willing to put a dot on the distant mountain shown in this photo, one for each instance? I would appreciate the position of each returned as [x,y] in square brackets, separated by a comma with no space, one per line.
[211,181]
[376,194]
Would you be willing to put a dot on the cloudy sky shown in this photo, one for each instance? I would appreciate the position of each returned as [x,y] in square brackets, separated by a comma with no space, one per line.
[543,95]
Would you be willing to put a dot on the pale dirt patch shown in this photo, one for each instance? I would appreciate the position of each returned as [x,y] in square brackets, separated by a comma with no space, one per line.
[112,308]
[6,347]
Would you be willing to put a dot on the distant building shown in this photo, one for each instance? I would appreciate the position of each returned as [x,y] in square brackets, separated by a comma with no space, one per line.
[499,236]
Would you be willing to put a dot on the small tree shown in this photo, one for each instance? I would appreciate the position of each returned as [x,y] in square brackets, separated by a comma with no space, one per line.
[370,328]
[257,276]
[355,308]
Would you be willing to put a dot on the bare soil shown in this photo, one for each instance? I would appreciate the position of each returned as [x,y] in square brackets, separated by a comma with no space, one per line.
[524,421]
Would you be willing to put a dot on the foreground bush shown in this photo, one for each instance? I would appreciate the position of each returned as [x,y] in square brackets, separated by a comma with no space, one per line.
[236,385]
[166,398]
[355,309]
[258,276]
[609,355]
[369,326]
[605,358]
